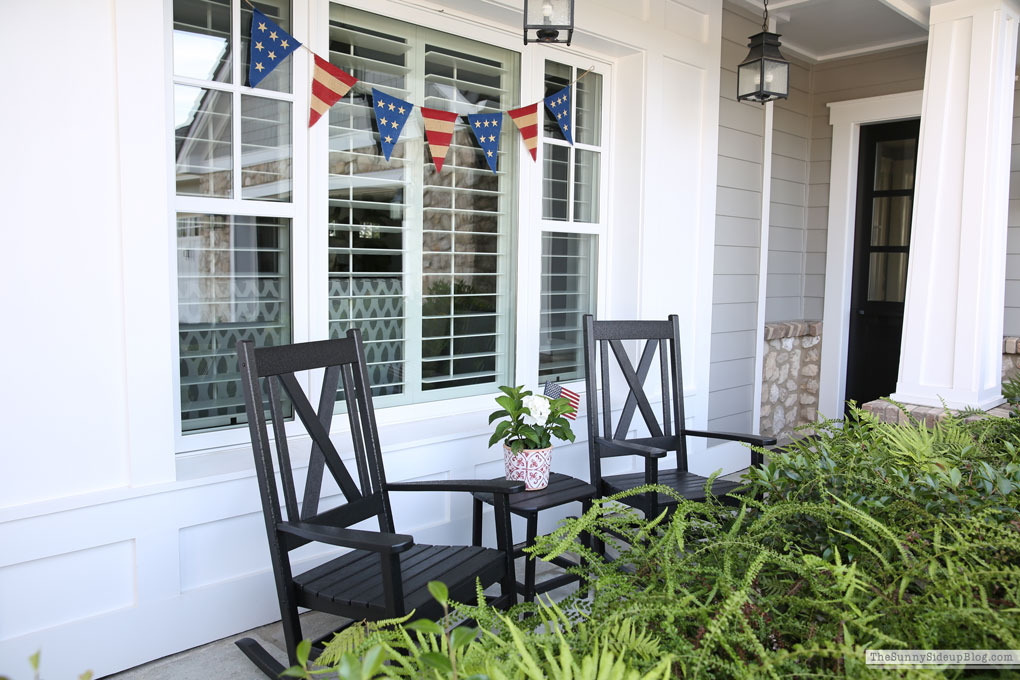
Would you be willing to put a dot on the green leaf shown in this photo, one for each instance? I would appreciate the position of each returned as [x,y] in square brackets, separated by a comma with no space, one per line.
[507,403]
[372,662]
[439,591]
[462,636]
[531,435]
[87,675]
[34,660]
[955,477]
[349,667]
[502,413]
[438,661]
[1004,485]
[295,672]
[425,626]
[304,648]
[494,438]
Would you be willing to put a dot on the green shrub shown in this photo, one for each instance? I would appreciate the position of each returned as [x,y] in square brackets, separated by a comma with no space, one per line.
[868,537]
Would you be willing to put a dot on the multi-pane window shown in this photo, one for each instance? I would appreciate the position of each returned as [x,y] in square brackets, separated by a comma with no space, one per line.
[421,261]
[233,205]
[571,197]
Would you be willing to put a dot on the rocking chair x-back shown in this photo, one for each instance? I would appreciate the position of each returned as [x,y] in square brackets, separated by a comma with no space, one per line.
[384,574]
[603,340]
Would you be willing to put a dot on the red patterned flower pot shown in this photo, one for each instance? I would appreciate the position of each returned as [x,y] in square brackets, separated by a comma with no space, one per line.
[530,466]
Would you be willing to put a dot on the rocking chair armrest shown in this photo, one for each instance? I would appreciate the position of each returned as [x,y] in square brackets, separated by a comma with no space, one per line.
[622,447]
[500,486]
[755,439]
[357,539]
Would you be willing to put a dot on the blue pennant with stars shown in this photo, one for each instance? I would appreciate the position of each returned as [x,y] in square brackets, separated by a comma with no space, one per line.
[486,127]
[390,115]
[559,105]
[270,45]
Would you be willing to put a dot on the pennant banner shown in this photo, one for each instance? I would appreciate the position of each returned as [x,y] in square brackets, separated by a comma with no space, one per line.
[486,127]
[270,45]
[559,105]
[329,84]
[439,132]
[390,115]
[526,120]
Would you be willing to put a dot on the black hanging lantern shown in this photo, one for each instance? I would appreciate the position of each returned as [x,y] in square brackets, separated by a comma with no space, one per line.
[765,74]
[548,21]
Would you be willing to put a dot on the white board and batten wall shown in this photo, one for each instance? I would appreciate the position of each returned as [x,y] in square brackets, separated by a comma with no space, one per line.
[113,549]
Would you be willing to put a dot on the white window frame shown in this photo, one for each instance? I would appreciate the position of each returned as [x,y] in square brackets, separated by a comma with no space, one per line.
[296,210]
[531,232]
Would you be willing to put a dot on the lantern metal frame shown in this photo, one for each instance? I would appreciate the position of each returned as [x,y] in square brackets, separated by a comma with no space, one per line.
[762,48]
[549,33]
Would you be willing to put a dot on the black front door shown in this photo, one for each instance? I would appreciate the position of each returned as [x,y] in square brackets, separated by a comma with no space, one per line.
[885,202]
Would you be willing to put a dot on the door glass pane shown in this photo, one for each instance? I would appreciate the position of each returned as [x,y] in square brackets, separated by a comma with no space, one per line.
[887,277]
[588,121]
[233,283]
[890,221]
[568,293]
[265,149]
[894,164]
[555,182]
[557,77]
[202,136]
[279,79]
[586,186]
[202,39]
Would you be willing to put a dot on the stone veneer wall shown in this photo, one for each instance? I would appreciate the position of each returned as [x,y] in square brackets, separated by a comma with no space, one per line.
[1010,356]
[789,386]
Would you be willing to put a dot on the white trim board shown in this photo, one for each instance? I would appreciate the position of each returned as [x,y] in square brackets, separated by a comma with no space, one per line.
[846,119]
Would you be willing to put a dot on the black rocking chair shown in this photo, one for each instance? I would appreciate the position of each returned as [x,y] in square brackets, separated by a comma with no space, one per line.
[605,338]
[384,575]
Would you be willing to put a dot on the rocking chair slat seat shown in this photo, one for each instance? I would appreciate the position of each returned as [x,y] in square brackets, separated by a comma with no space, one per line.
[687,484]
[353,582]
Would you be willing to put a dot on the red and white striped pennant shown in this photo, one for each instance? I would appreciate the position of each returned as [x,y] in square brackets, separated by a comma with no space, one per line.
[329,84]
[526,120]
[439,132]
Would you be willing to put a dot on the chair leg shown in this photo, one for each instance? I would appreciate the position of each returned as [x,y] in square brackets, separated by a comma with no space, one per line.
[261,658]
[586,541]
[529,564]
[476,523]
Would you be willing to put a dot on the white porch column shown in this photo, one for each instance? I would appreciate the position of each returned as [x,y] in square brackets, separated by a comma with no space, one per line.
[952,325]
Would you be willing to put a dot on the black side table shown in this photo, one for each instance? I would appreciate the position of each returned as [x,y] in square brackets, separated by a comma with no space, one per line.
[562,489]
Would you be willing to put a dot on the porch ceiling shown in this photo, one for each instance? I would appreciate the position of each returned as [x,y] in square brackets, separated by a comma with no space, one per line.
[819,30]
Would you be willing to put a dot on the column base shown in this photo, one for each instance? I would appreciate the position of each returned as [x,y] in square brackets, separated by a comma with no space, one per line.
[888,412]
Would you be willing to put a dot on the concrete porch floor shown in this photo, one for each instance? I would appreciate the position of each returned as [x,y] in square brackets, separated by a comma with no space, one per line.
[223,660]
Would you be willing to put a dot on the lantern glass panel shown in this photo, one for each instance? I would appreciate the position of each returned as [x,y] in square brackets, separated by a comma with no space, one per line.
[777,77]
[748,78]
[548,12]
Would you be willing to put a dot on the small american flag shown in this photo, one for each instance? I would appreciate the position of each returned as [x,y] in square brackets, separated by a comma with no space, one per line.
[556,391]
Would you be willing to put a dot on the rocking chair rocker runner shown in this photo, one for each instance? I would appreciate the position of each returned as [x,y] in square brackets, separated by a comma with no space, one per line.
[602,338]
[384,575]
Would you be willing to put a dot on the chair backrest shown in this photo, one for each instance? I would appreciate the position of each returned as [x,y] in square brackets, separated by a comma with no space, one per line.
[604,347]
[344,363]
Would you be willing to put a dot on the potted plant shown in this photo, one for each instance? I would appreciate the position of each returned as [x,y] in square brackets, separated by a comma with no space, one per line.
[527,424]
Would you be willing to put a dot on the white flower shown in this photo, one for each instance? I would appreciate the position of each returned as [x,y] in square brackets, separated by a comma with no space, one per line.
[539,407]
